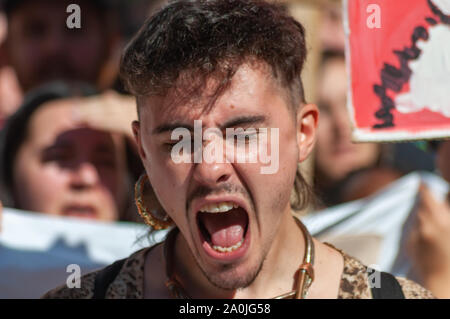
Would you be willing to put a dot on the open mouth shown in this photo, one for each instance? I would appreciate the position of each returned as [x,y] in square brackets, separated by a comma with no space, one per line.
[223,227]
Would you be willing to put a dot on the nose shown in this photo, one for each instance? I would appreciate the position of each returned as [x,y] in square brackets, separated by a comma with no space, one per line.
[212,174]
[213,168]
[85,175]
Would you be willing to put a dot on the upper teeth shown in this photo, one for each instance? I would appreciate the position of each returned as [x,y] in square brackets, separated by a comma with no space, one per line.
[218,207]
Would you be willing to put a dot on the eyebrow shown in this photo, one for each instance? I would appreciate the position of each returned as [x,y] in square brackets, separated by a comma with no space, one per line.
[172,126]
[238,121]
[244,120]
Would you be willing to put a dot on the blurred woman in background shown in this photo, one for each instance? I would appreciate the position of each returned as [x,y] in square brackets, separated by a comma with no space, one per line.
[58,160]
[340,164]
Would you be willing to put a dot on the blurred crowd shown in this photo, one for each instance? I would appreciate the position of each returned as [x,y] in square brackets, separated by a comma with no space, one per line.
[67,148]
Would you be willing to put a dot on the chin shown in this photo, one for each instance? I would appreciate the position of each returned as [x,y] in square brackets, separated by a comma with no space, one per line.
[231,277]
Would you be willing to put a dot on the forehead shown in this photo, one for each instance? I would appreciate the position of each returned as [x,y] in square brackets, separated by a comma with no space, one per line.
[55,122]
[252,89]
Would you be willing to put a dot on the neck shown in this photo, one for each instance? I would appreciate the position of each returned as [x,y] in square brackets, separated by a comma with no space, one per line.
[277,276]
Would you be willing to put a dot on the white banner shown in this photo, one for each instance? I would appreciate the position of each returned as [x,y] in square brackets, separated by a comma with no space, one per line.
[36,249]
[375,229]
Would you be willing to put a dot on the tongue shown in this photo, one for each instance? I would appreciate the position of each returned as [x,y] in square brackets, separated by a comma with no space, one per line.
[225,229]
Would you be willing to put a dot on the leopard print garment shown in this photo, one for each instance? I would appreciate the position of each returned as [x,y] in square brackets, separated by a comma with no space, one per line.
[129,284]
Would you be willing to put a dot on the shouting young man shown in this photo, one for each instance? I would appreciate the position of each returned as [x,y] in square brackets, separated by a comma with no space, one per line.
[229,71]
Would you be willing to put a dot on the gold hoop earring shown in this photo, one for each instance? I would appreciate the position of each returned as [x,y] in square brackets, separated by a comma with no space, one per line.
[152,217]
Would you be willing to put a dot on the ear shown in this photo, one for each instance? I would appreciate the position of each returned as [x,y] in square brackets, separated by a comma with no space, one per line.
[136,127]
[307,121]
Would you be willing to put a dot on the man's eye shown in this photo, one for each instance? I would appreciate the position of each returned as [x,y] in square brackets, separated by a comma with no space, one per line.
[244,138]
[169,145]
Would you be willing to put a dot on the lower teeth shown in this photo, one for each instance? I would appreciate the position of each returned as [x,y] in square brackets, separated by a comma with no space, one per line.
[228,249]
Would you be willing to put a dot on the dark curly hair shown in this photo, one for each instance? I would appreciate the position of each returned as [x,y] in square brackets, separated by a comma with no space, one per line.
[188,42]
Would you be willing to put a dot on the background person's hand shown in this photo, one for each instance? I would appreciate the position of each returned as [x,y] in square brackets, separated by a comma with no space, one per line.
[429,243]
[109,111]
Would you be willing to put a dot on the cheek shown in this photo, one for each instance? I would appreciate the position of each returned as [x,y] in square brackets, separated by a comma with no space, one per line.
[283,181]
[169,182]
[39,188]
[272,191]
[113,182]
